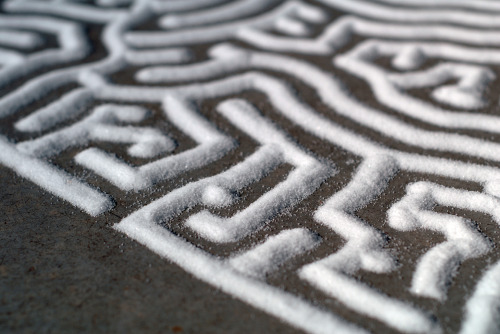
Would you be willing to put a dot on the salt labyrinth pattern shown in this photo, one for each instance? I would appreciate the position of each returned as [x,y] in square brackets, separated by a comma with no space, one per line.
[334,163]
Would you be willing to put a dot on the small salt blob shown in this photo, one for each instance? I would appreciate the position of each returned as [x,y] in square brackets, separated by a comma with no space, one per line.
[216,196]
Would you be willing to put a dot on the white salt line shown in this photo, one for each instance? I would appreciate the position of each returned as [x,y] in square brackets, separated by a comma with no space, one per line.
[282,305]
[275,251]
[54,180]
[231,11]
[482,314]
[20,39]
[435,268]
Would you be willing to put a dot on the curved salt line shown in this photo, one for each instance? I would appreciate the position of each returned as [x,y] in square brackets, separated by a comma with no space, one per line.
[32,90]
[217,32]
[100,125]
[435,268]
[330,92]
[70,36]
[20,39]
[410,320]
[163,56]
[291,26]
[10,57]
[274,252]
[382,12]
[212,146]
[38,86]
[226,12]
[197,71]
[66,107]
[182,5]
[111,3]
[54,180]
[481,310]
[337,34]
[387,85]
[467,93]
[476,4]
[308,174]
[276,302]
[69,10]
[285,102]
[363,250]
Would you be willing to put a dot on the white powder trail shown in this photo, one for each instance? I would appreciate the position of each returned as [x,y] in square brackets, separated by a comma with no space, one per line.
[363,250]
[275,251]
[227,12]
[212,145]
[71,38]
[161,6]
[285,101]
[483,5]
[54,180]
[410,15]
[332,94]
[282,305]
[482,314]
[65,108]
[10,57]
[99,125]
[162,56]
[435,268]
[70,10]
[339,32]
[466,93]
[222,31]
[308,174]
[20,39]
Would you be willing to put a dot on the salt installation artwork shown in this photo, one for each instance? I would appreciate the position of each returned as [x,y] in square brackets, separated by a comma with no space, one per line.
[333,164]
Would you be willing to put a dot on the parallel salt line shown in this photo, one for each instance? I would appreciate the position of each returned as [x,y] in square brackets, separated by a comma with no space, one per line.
[274,252]
[70,36]
[10,57]
[287,307]
[333,95]
[33,90]
[308,174]
[165,56]
[466,93]
[435,268]
[483,5]
[286,102]
[112,3]
[68,10]
[100,125]
[54,180]
[363,251]
[250,170]
[410,15]
[197,71]
[212,145]
[338,33]
[67,107]
[182,5]
[20,39]
[213,33]
[393,312]
[226,12]
[482,314]
[38,86]
[329,91]
[291,26]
